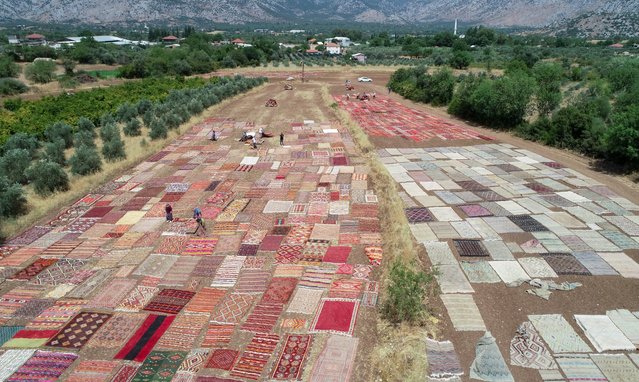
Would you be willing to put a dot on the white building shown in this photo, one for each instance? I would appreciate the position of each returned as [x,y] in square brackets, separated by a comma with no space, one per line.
[333,48]
[343,41]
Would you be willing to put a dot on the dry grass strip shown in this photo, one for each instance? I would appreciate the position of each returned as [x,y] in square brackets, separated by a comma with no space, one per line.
[400,351]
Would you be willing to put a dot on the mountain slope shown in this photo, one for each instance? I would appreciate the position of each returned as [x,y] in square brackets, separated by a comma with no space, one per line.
[489,12]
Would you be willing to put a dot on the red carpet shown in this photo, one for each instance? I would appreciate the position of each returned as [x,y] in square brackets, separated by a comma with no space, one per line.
[336,316]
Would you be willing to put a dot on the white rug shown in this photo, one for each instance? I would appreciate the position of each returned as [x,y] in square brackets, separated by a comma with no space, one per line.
[603,334]
[509,271]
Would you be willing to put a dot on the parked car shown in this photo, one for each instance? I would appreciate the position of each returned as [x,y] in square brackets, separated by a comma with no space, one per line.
[364,79]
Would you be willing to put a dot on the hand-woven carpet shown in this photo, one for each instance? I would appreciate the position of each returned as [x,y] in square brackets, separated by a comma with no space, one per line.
[336,316]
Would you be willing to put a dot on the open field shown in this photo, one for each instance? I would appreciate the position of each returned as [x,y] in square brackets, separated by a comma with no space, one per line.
[297,241]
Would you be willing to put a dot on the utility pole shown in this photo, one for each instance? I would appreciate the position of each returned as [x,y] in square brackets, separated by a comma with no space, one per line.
[302,71]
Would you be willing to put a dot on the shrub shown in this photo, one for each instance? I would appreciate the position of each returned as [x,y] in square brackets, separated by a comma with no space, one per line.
[84,138]
[85,161]
[158,129]
[195,107]
[406,294]
[108,131]
[113,149]
[85,124]
[172,120]
[14,163]
[41,71]
[133,128]
[143,106]
[21,141]
[12,199]
[60,130]
[11,86]
[47,177]
[622,138]
[126,112]
[8,68]
[107,118]
[54,152]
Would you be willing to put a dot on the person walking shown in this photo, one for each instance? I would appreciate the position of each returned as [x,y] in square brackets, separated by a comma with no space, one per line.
[169,212]
[213,136]
[281,139]
[197,215]
[254,141]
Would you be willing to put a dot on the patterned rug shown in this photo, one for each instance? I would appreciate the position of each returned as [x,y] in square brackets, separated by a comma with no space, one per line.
[233,308]
[463,312]
[145,338]
[199,247]
[110,297]
[317,277]
[335,362]
[579,367]
[222,359]
[159,366]
[470,248]
[616,367]
[475,210]
[280,290]
[527,223]
[528,350]
[207,266]
[291,361]
[443,362]
[43,366]
[257,354]
[228,272]
[11,361]
[252,281]
[93,371]
[305,300]
[346,288]
[205,300]
[336,316]
[169,301]
[263,317]
[137,298]
[418,215]
[489,365]
[33,269]
[558,334]
[183,333]
[218,335]
[116,331]
[79,330]
[565,264]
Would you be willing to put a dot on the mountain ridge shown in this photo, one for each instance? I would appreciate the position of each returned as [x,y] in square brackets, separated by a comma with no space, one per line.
[497,13]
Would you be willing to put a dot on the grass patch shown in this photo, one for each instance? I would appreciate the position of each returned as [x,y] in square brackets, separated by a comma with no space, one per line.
[104,74]
[137,150]
[400,353]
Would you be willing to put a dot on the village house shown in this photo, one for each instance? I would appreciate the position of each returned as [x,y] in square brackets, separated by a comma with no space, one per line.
[333,48]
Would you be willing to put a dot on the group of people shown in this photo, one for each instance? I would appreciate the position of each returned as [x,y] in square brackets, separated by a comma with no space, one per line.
[362,97]
[197,216]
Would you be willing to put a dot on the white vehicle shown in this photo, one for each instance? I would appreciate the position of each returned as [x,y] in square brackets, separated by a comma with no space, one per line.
[364,79]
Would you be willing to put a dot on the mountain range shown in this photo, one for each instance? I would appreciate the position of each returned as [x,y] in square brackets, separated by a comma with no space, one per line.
[498,13]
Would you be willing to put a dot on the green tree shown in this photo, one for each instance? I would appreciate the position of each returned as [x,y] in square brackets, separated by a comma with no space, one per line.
[54,152]
[460,60]
[548,76]
[69,66]
[8,68]
[85,124]
[622,138]
[109,131]
[85,161]
[126,112]
[14,163]
[12,199]
[113,149]
[60,130]
[11,86]
[47,177]
[158,129]
[41,71]
[84,138]
[22,141]
[480,36]
[133,128]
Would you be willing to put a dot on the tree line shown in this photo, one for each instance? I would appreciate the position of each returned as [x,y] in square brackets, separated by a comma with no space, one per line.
[600,119]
